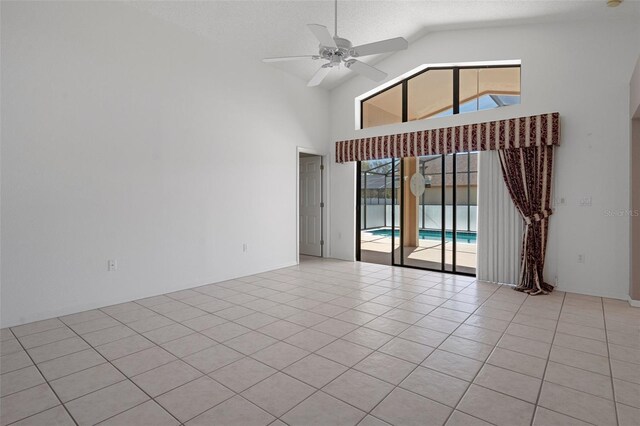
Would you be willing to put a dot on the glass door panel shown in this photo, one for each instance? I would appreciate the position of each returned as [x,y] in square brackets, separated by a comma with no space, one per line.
[466,211]
[376,211]
[422,244]
[398,207]
[450,212]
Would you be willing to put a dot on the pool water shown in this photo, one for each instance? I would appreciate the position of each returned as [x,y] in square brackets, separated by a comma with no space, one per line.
[428,234]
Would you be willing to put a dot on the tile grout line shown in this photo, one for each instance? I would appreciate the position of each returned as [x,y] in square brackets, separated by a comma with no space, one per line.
[181,359]
[567,387]
[71,353]
[548,360]
[195,332]
[544,372]
[42,332]
[53,380]
[94,348]
[203,374]
[315,353]
[367,413]
[46,382]
[613,388]
[436,348]
[375,350]
[127,378]
[305,327]
[542,379]
[471,382]
[316,390]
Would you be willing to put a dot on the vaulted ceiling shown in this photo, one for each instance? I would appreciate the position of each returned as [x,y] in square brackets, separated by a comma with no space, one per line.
[266,28]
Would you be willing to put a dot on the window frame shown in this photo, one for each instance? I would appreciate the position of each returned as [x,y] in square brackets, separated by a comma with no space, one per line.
[455,95]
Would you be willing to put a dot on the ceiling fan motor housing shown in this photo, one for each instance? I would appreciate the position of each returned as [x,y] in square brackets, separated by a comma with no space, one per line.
[335,56]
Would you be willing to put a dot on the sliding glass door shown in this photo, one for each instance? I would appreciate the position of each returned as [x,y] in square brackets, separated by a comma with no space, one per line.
[419,212]
[379,210]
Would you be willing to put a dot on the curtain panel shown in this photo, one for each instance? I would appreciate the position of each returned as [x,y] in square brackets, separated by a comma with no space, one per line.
[535,130]
[500,225]
[528,175]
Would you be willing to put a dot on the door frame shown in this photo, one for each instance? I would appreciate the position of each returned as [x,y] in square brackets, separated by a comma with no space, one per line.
[323,189]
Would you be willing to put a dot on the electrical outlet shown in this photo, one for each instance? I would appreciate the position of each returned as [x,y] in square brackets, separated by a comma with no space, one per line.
[112,265]
[581,258]
[244,247]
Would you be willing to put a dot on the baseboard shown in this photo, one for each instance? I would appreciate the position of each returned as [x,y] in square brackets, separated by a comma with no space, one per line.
[591,292]
[82,307]
[634,303]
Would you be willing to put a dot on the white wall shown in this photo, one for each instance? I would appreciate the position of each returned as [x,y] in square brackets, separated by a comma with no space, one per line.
[634,102]
[124,137]
[582,70]
[634,178]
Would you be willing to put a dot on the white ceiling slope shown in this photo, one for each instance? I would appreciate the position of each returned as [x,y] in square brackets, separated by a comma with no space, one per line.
[258,29]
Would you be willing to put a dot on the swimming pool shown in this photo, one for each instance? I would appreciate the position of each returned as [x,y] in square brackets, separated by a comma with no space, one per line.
[428,234]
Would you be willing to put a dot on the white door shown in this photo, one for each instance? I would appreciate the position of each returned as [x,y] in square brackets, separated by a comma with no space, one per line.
[310,206]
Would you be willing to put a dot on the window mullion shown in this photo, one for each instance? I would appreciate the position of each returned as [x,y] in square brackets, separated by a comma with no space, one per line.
[456,90]
[405,101]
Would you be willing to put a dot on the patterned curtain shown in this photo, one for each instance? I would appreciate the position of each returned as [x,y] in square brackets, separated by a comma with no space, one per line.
[527,173]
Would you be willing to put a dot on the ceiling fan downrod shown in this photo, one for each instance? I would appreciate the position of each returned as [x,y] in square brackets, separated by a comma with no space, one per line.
[335,19]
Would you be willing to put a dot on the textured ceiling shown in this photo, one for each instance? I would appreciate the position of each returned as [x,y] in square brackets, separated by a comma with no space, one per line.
[278,28]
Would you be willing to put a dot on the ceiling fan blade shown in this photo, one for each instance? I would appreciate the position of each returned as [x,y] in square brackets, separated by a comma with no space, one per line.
[319,76]
[382,46]
[365,70]
[290,58]
[323,35]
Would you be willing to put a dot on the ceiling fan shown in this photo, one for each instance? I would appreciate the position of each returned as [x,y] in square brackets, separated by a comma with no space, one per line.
[337,50]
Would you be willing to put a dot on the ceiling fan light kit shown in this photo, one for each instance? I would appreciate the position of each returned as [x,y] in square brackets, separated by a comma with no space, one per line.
[337,50]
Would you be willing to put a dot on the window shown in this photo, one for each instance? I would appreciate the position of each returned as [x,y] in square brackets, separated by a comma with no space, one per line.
[430,94]
[383,108]
[440,92]
[486,88]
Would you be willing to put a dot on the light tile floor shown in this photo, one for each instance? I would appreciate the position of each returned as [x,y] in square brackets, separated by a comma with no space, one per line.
[330,343]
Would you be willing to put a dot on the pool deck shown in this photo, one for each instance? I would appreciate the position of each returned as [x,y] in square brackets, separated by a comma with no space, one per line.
[377,249]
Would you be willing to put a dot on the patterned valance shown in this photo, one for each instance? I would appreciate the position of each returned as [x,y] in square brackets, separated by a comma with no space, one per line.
[535,130]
